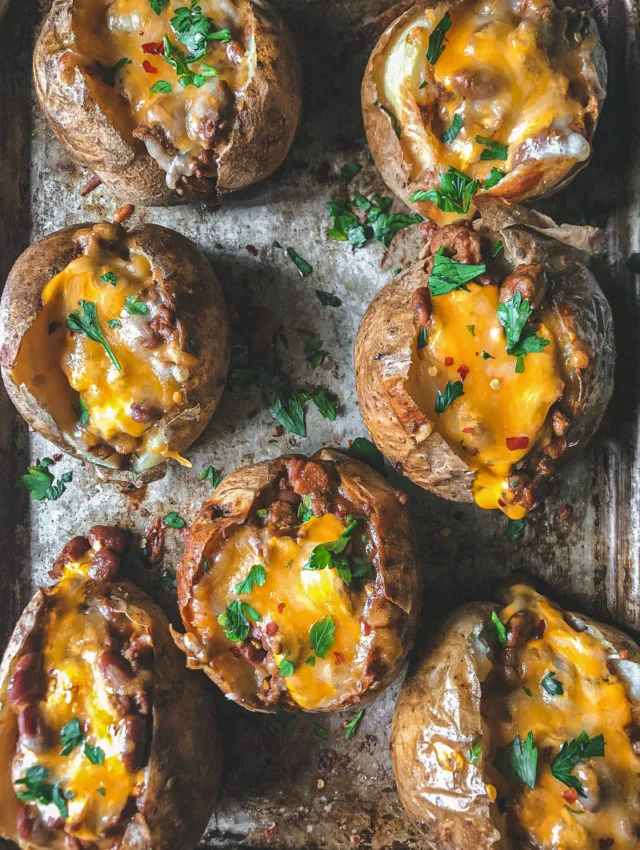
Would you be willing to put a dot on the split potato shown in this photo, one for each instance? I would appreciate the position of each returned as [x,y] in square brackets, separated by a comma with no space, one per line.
[490,361]
[170,102]
[299,584]
[101,742]
[464,99]
[518,726]
[115,345]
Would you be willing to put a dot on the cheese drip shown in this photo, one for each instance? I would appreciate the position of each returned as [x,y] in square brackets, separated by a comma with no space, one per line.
[292,599]
[75,635]
[595,700]
[498,404]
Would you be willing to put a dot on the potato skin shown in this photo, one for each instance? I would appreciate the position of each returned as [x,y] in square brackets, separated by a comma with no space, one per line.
[180,267]
[386,338]
[184,767]
[534,179]
[267,118]
[398,576]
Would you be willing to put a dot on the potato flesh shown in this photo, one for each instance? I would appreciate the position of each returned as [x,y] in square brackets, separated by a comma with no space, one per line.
[51,362]
[498,403]
[496,74]
[595,700]
[74,639]
[111,31]
[293,599]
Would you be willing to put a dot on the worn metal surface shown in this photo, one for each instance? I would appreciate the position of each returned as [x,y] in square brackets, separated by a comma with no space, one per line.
[274,765]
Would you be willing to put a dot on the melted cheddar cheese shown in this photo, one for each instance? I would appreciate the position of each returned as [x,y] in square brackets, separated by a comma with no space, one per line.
[498,404]
[75,635]
[595,700]
[109,31]
[67,370]
[292,599]
[498,73]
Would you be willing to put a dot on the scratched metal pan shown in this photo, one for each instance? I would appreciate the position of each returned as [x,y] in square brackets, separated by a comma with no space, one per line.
[284,785]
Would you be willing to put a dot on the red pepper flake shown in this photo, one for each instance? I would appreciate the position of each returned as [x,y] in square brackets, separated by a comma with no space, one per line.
[448,361]
[340,659]
[271,628]
[540,629]
[565,512]
[270,830]
[468,430]
[514,444]
[252,250]
[281,607]
[463,371]
[279,430]
[155,48]
[149,68]
[570,796]
[57,458]
[366,628]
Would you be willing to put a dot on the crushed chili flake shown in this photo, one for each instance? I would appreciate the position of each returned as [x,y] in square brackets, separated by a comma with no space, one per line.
[270,830]
[271,629]
[565,512]
[448,361]
[149,68]
[155,48]
[340,659]
[468,430]
[570,795]
[514,444]
[463,371]
[57,458]
[366,628]
[281,607]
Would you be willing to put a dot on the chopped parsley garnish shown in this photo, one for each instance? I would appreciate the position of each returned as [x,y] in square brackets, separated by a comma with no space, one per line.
[83,411]
[322,636]
[285,667]
[300,263]
[528,691]
[471,329]
[235,620]
[521,338]
[486,356]
[94,754]
[173,520]
[454,194]
[318,731]
[85,321]
[257,575]
[363,449]
[161,87]
[109,74]
[492,148]
[314,353]
[311,661]
[395,124]
[349,171]
[326,402]
[114,323]
[38,481]
[445,399]
[102,791]
[211,475]
[422,338]
[158,5]
[169,579]
[178,61]
[551,685]
[289,412]
[518,762]
[498,249]
[515,528]
[329,555]
[437,39]
[493,178]
[475,751]
[328,299]
[360,219]
[570,754]
[450,134]
[135,307]
[37,788]
[195,31]
[71,736]
[501,632]
[109,277]
[352,726]
[447,274]
[304,509]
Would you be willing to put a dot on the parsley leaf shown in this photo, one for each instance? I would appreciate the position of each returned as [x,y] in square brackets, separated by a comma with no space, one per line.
[322,636]
[109,74]
[304,509]
[570,754]
[493,178]
[515,528]
[395,124]
[114,323]
[518,762]
[492,148]
[318,731]
[195,30]
[475,751]
[135,307]
[364,450]
[521,340]
[161,87]
[211,475]
[450,134]
[301,264]
[109,277]
[314,353]
[83,411]
[328,299]
[71,735]
[377,222]
[437,39]
[326,402]
[94,754]
[39,482]
[422,338]
[551,685]
[454,194]
[86,323]
[173,520]
[285,667]
[235,620]
[498,249]
[349,171]
[501,632]
[289,412]
[447,274]
[257,575]
[452,391]
[38,789]
[158,5]
[352,726]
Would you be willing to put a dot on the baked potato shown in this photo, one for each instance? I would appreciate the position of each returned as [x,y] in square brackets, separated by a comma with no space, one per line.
[488,362]
[299,584]
[519,727]
[114,344]
[463,99]
[101,726]
[169,102]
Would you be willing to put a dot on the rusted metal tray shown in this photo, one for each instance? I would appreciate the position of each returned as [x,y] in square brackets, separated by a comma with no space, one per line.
[284,785]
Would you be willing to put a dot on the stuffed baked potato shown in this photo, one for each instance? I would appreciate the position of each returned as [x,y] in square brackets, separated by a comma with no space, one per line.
[114,344]
[101,742]
[519,727]
[169,102]
[468,98]
[299,584]
[488,362]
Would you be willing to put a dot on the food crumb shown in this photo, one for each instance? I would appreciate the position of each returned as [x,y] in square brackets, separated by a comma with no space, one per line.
[565,511]
[252,250]
[320,784]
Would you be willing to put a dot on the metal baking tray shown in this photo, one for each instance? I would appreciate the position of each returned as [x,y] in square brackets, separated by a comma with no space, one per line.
[285,785]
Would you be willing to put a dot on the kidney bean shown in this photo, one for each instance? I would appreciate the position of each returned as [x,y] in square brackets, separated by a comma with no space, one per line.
[135,734]
[109,537]
[104,565]
[30,728]
[25,823]
[115,669]
[22,686]
[141,411]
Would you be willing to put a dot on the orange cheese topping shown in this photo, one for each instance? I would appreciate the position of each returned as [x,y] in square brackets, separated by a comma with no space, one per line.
[74,638]
[595,700]
[53,359]
[292,599]
[496,74]
[498,404]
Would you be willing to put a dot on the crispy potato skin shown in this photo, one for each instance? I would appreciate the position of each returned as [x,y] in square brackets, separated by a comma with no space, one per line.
[268,113]
[398,575]
[532,179]
[385,346]
[184,767]
[179,266]
[440,704]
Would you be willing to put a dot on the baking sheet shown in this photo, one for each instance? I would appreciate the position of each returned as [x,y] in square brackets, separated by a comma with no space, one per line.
[284,786]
